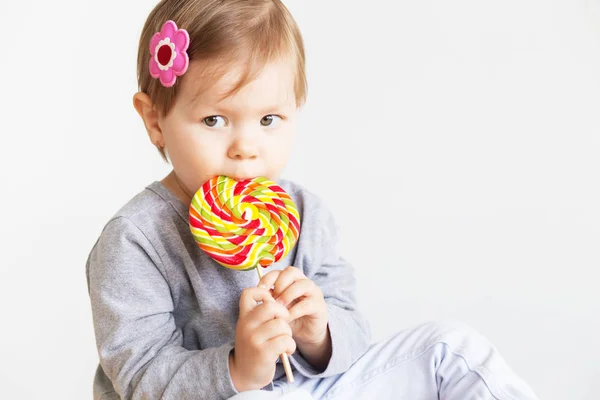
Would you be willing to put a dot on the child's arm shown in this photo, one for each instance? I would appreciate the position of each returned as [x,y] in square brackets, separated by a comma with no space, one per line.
[139,346]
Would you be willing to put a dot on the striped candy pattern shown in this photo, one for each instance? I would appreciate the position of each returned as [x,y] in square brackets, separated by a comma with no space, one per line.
[243,224]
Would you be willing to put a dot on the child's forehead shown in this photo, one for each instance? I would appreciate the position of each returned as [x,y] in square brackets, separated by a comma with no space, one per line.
[272,82]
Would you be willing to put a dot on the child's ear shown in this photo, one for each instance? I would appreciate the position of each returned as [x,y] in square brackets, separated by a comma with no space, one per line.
[143,105]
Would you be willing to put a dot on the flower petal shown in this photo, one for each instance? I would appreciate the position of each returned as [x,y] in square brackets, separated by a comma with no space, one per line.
[154,42]
[181,40]
[168,29]
[154,70]
[167,78]
[180,63]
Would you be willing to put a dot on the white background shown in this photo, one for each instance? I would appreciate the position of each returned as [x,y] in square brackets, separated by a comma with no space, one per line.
[470,126]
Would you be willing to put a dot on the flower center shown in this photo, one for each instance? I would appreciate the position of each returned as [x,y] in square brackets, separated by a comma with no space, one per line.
[164,54]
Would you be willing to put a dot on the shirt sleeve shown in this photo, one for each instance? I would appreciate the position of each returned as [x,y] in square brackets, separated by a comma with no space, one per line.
[139,346]
[349,330]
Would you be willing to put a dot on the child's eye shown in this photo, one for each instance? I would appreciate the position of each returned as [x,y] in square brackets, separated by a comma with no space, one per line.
[214,121]
[269,120]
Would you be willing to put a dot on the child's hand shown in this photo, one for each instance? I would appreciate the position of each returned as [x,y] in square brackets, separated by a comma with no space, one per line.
[261,335]
[308,311]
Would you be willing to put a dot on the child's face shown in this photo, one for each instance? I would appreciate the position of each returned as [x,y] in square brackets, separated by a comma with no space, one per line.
[245,135]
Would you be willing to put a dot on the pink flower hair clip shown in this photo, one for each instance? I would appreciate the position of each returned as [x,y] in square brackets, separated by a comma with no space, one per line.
[168,53]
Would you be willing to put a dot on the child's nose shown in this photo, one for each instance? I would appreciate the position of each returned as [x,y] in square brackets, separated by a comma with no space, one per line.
[243,148]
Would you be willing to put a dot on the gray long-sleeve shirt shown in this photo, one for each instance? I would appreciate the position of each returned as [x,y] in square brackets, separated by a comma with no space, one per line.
[165,313]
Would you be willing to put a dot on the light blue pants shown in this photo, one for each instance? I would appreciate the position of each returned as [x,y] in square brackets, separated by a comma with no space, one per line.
[436,360]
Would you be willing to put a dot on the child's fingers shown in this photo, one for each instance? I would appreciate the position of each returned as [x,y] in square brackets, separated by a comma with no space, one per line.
[301,287]
[308,306]
[269,330]
[269,279]
[285,279]
[281,344]
[266,311]
[251,296]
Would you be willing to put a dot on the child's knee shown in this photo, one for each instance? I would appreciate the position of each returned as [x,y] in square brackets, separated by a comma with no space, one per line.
[454,335]
[464,342]
[456,332]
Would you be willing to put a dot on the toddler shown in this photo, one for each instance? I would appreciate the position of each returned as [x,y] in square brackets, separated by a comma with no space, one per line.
[220,84]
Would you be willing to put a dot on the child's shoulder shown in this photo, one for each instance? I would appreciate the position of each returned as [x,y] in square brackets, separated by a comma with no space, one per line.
[310,205]
[130,236]
[150,203]
[304,198]
[148,210]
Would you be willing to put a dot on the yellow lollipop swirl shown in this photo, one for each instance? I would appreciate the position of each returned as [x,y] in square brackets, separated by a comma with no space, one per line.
[243,224]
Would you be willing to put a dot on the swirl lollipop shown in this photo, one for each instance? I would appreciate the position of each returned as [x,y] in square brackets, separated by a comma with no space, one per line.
[245,224]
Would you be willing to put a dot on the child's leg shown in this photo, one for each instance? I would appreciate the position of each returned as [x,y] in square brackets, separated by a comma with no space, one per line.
[432,361]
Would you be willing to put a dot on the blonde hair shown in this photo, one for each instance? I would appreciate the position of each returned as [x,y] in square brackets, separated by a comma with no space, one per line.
[224,32]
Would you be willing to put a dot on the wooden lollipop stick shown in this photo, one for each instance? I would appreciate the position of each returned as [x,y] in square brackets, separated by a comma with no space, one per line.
[284,357]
